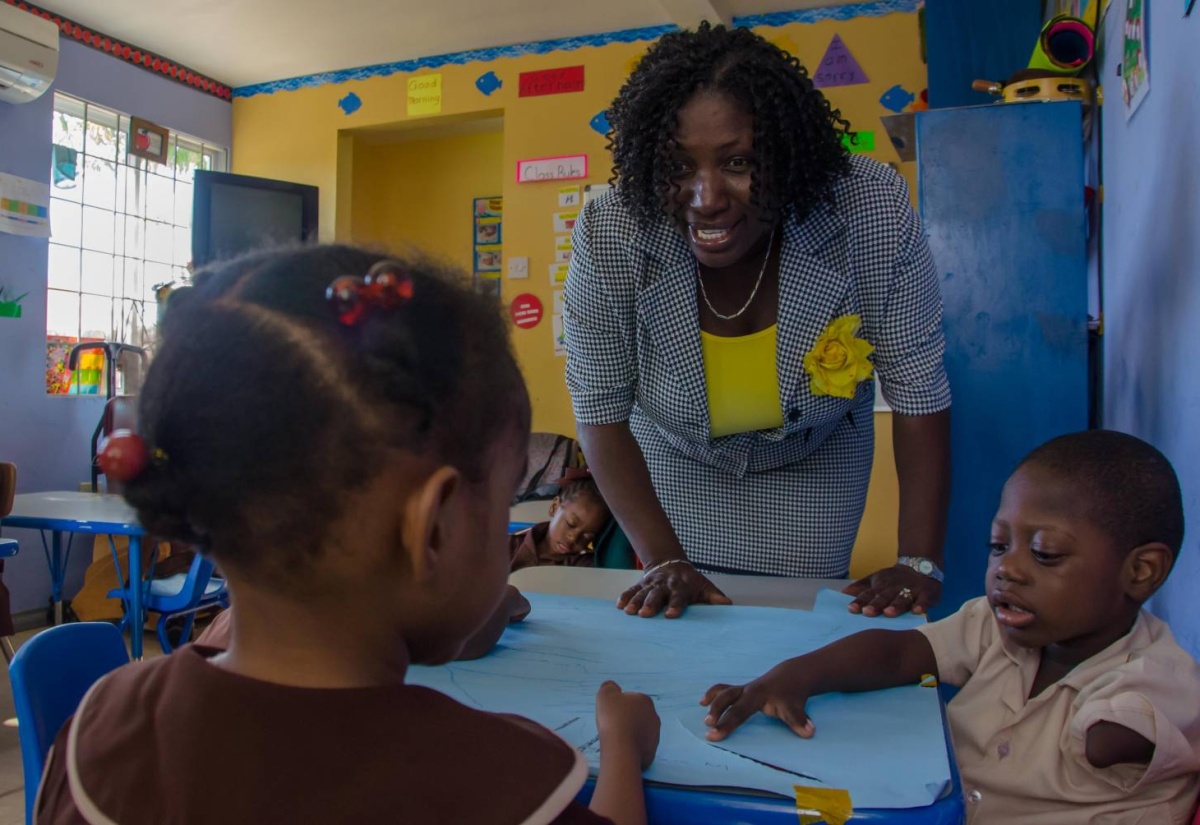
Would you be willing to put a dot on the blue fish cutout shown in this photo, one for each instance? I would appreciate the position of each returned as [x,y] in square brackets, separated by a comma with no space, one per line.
[350,104]
[896,99]
[600,123]
[488,83]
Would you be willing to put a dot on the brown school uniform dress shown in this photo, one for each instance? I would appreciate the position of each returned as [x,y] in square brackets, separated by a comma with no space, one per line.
[180,740]
[524,549]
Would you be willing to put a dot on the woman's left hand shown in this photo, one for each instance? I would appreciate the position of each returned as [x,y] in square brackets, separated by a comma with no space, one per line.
[894,591]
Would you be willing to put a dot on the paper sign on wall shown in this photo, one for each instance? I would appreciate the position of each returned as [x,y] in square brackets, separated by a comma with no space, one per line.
[859,142]
[560,340]
[551,81]
[526,311]
[838,67]
[568,196]
[558,274]
[595,190]
[564,167]
[425,94]
[24,206]
[562,249]
[564,221]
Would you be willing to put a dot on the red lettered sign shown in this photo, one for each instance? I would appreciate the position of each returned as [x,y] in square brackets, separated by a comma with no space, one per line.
[526,311]
[552,81]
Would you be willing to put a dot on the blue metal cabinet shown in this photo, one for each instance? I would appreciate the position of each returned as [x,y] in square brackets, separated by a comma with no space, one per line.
[1001,190]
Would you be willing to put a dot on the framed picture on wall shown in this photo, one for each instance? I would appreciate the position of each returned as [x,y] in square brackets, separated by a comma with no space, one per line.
[147,140]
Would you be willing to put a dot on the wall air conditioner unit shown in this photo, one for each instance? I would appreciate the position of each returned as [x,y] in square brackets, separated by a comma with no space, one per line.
[28,54]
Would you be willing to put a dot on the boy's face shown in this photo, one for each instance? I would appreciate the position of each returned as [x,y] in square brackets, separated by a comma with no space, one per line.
[574,525]
[1054,577]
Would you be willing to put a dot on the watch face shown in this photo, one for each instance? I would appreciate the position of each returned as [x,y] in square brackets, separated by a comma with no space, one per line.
[925,566]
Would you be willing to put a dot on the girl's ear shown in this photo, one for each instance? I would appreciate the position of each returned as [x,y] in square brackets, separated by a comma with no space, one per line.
[554,505]
[1146,568]
[428,517]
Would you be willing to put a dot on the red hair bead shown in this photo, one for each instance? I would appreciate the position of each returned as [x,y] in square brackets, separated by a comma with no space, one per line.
[346,295]
[123,456]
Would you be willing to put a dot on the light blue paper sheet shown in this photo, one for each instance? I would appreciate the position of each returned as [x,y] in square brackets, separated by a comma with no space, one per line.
[887,749]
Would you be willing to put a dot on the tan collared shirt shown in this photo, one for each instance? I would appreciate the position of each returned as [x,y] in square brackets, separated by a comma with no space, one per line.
[1022,760]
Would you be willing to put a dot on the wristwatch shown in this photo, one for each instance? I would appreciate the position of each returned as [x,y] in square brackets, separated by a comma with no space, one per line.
[923,566]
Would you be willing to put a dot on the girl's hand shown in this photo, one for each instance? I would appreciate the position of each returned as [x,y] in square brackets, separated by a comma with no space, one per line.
[627,720]
[893,592]
[674,586]
[780,693]
[516,605]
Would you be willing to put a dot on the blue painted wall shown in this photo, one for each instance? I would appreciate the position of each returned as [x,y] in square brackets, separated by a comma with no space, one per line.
[970,40]
[1001,193]
[48,437]
[1151,272]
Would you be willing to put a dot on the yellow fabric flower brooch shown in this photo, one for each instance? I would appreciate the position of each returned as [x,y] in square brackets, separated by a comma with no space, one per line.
[838,362]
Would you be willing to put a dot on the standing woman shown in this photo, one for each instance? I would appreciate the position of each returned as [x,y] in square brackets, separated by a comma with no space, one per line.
[726,306]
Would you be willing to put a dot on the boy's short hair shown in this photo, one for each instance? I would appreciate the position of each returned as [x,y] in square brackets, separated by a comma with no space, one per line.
[1130,488]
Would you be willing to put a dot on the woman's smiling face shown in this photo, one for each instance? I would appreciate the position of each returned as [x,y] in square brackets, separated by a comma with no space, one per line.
[712,166]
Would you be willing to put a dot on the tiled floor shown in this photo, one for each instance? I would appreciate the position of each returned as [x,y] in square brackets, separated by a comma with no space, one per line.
[12,779]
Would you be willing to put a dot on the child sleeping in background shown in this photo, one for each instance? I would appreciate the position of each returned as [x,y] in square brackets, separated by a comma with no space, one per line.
[577,515]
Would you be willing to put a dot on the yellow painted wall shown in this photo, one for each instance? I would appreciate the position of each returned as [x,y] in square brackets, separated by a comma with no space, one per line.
[420,192]
[304,136]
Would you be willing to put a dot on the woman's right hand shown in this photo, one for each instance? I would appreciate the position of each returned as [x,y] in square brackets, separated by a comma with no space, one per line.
[673,586]
[627,720]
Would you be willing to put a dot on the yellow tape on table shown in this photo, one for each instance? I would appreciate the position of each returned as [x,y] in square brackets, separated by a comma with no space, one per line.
[827,805]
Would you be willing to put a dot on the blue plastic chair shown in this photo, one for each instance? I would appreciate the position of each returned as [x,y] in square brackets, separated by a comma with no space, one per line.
[180,595]
[50,674]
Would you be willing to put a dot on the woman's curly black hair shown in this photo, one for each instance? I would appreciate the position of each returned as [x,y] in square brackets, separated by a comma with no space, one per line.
[797,134]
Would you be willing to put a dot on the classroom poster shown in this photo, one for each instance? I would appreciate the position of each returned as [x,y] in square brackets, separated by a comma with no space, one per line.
[24,206]
[1135,63]
[487,244]
[560,340]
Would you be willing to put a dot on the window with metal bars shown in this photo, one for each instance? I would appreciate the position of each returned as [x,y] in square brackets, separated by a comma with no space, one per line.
[121,237]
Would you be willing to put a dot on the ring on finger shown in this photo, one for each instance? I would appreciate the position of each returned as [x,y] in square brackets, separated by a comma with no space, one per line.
[905,593]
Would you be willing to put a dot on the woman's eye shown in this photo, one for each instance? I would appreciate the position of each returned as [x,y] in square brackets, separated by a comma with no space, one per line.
[740,165]
[678,169]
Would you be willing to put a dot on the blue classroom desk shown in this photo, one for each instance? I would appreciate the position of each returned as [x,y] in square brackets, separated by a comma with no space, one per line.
[687,806]
[65,513]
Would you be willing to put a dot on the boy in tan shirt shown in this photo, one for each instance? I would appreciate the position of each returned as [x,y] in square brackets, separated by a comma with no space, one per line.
[1077,706]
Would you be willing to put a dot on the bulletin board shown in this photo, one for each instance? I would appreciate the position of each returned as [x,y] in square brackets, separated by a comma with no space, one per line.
[488,243]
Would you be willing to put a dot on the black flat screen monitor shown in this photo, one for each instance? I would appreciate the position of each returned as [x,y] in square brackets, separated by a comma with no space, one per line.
[237,213]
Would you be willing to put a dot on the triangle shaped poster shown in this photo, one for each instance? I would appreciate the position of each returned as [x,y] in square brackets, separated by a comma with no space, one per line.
[838,67]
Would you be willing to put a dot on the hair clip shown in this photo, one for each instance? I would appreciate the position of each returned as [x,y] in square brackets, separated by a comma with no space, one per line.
[386,286]
[123,456]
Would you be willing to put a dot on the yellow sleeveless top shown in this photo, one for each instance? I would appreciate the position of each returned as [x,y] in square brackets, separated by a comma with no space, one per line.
[743,382]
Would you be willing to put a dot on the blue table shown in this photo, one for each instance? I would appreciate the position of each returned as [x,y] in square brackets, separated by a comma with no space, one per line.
[670,804]
[66,513]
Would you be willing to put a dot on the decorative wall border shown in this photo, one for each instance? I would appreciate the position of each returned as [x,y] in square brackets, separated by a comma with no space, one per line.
[134,55]
[565,44]
[874,9]
[877,8]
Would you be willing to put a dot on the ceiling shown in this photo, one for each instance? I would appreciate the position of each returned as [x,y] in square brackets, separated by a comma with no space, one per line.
[243,42]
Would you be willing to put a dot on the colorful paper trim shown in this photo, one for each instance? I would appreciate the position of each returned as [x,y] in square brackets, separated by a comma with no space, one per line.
[134,55]
[565,44]
[780,18]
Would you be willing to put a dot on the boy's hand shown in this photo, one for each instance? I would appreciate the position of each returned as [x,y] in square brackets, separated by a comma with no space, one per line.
[627,720]
[779,693]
